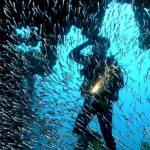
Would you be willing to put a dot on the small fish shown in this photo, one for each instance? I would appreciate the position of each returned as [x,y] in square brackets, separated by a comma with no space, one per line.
[120,106]
[146,90]
[140,100]
[7,12]
[121,134]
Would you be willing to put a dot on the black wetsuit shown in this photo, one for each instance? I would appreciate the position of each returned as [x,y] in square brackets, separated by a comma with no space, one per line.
[104,113]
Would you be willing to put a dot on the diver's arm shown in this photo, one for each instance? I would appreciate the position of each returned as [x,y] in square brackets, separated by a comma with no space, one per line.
[75,53]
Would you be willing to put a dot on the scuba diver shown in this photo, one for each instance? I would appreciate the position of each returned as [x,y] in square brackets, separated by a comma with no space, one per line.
[102,81]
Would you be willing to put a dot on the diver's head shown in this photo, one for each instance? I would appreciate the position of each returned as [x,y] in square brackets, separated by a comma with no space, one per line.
[100,46]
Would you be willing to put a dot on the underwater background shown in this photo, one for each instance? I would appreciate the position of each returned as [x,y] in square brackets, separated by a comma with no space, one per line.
[57,99]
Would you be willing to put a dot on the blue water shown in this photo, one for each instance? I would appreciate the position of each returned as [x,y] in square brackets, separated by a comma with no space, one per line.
[130,120]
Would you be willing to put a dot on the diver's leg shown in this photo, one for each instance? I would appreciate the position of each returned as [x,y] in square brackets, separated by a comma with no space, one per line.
[83,119]
[143,20]
[105,121]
